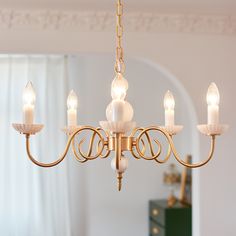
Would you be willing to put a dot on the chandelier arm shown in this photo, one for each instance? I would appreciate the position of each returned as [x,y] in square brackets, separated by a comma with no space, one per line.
[210,155]
[143,143]
[135,155]
[45,164]
[141,154]
[103,156]
[154,156]
[150,143]
[174,151]
[166,158]
[71,138]
[77,157]
[144,147]
[88,156]
[143,150]
[91,144]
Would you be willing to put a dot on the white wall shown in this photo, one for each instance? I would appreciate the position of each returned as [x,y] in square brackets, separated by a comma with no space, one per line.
[196,60]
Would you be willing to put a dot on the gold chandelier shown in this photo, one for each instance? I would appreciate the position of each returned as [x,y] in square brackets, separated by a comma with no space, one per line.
[119,133]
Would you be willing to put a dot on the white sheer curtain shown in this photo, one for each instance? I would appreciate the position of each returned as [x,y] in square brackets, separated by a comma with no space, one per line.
[34,201]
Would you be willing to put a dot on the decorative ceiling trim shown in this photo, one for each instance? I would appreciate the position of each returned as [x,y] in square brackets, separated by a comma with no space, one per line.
[104,21]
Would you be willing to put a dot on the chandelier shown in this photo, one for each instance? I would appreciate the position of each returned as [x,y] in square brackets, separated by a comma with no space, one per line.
[119,133]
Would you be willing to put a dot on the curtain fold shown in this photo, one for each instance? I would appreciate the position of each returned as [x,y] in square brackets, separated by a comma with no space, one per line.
[34,201]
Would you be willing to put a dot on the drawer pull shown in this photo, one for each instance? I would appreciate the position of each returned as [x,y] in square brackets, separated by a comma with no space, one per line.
[155,230]
[155,212]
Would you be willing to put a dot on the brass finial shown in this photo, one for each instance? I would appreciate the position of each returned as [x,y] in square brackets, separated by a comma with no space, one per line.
[119,181]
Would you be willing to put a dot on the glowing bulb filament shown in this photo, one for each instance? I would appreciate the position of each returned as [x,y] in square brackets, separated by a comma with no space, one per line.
[169,101]
[72,100]
[119,88]
[29,94]
[213,95]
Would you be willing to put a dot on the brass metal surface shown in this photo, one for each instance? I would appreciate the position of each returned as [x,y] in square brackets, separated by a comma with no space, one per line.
[119,180]
[83,157]
[119,65]
[126,143]
[102,143]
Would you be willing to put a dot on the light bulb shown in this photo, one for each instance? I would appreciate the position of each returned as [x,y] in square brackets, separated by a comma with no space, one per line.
[29,96]
[119,87]
[72,100]
[213,100]
[169,101]
[213,96]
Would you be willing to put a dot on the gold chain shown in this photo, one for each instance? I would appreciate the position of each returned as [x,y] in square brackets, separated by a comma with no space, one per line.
[120,65]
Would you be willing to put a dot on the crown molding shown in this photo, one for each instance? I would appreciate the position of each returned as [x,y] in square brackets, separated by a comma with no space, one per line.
[99,21]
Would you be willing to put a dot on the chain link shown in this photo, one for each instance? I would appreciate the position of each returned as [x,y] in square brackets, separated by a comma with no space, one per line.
[120,65]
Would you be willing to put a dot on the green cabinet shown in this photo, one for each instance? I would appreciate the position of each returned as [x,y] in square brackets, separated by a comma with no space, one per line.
[165,221]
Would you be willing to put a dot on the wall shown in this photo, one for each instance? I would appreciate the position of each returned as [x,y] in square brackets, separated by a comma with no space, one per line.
[195,59]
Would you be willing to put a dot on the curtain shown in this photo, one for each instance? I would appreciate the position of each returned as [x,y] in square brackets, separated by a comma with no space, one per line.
[34,201]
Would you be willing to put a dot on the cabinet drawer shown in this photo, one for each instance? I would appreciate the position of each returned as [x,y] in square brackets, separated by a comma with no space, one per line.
[156,230]
[157,213]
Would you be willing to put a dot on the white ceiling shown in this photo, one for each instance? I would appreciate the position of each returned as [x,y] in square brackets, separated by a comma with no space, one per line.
[154,5]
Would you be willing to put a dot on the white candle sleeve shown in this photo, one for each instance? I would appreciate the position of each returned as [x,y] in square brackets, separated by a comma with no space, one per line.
[71,117]
[169,117]
[28,114]
[213,114]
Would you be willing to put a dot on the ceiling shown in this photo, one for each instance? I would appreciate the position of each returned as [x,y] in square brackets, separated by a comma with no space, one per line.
[135,5]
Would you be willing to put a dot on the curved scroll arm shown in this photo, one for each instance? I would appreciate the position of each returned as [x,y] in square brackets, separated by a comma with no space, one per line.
[77,157]
[144,147]
[141,153]
[87,156]
[154,156]
[173,150]
[166,158]
[107,153]
[100,147]
[61,158]
[210,155]
[143,150]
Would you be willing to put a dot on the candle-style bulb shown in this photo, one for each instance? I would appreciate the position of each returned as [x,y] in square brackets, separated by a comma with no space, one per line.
[72,100]
[29,96]
[169,105]
[213,95]
[119,87]
[169,101]
[72,104]
[213,100]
